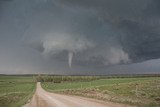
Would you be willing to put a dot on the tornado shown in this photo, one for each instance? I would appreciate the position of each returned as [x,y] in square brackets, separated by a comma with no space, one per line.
[70,56]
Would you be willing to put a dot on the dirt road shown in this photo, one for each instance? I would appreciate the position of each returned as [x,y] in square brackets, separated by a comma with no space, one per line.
[42,98]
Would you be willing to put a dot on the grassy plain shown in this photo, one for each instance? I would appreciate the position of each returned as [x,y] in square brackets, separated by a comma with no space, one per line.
[143,92]
[15,91]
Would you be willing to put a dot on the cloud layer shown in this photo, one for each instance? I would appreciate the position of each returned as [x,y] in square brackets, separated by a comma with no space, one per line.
[89,33]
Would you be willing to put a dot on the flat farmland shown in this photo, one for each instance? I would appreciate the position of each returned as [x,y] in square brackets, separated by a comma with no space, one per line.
[142,92]
[15,91]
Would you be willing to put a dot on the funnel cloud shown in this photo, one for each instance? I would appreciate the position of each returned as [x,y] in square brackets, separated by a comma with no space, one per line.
[98,36]
[70,56]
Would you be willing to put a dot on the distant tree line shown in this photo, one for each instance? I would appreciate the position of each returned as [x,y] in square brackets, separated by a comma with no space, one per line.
[60,79]
[80,78]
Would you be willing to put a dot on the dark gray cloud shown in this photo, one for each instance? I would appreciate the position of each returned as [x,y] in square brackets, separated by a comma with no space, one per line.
[85,34]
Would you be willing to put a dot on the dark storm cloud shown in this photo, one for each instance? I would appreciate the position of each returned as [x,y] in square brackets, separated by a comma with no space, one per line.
[84,33]
[138,22]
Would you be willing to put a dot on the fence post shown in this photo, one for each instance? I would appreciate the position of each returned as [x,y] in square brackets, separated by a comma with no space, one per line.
[136,90]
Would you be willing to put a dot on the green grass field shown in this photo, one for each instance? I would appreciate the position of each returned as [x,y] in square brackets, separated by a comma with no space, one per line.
[15,91]
[143,92]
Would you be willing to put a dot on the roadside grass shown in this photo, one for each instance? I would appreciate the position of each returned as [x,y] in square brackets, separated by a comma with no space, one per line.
[15,91]
[142,92]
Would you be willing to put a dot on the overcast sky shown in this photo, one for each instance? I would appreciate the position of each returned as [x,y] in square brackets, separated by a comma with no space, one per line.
[79,36]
